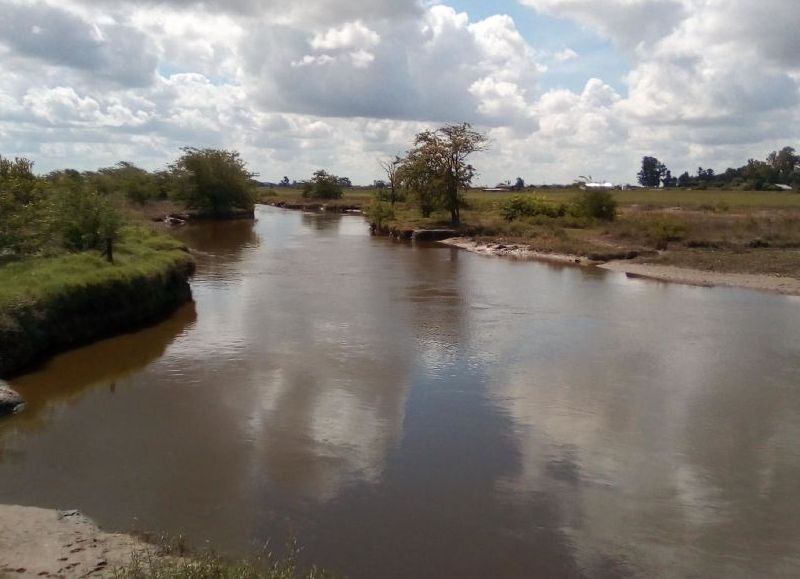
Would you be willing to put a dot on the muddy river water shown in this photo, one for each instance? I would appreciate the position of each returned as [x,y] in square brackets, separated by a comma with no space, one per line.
[425,412]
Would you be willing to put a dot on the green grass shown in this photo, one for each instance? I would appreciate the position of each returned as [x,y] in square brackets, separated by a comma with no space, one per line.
[688,199]
[141,252]
[55,303]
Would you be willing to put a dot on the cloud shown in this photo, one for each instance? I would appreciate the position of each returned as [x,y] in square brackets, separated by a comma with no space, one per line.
[439,67]
[302,85]
[55,36]
[352,35]
[565,55]
[628,22]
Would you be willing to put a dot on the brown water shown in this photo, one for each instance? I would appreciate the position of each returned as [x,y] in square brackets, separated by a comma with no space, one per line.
[421,411]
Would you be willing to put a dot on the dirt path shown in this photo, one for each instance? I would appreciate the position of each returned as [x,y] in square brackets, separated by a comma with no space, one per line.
[667,273]
[46,543]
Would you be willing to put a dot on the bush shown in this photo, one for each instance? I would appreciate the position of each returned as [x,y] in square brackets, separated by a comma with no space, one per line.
[519,206]
[596,204]
[213,180]
[379,213]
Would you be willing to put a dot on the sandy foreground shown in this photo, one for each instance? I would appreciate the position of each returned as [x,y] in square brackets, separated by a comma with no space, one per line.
[46,543]
[667,273]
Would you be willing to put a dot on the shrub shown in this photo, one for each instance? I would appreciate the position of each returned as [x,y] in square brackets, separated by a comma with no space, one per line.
[379,213]
[596,204]
[519,206]
[213,180]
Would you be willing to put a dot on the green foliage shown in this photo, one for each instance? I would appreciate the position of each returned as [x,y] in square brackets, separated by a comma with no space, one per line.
[379,213]
[21,209]
[137,185]
[526,206]
[212,180]
[84,219]
[596,204]
[323,185]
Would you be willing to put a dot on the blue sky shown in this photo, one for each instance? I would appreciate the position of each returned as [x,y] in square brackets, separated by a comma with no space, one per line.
[598,58]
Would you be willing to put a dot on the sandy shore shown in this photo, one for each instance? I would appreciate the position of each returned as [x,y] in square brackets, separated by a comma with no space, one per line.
[770,283]
[515,251]
[46,543]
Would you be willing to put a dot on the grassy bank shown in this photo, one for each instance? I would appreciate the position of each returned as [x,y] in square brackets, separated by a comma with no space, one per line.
[715,230]
[51,304]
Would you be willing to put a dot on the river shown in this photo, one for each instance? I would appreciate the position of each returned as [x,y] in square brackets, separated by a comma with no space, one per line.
[420,411]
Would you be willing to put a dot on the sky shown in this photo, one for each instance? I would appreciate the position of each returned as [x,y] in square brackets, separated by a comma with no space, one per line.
[561,87]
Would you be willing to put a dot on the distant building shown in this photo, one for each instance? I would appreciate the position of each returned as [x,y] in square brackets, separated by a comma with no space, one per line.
[595,185]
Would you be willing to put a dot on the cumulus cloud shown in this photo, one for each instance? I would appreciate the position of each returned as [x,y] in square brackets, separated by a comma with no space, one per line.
[301,85]
[439,67]
[56,36]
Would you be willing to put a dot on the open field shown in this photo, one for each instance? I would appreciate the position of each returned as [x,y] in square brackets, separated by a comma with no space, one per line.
[710,199]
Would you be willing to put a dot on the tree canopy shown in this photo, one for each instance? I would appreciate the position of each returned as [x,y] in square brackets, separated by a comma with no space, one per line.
[653,171]
[323,185]
[436,168]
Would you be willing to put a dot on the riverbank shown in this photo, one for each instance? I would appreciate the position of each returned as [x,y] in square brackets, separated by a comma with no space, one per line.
[53,304]
[38,542]
[634,268]
[47,543]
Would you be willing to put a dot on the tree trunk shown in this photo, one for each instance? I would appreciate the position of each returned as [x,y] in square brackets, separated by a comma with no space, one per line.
[110,250]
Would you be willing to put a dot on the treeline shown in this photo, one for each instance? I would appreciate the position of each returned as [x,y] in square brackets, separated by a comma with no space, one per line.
[780,170]
[73,211]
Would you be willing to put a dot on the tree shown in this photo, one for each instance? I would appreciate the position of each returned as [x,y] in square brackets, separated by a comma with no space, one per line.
[284,182]
[344,182]
[85,219]
[438,163]
[213,180]
[418,175]
[519,185]
[652,172]
[138,185]
[784,163]
[684,180]
[390,169]
[323,185]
